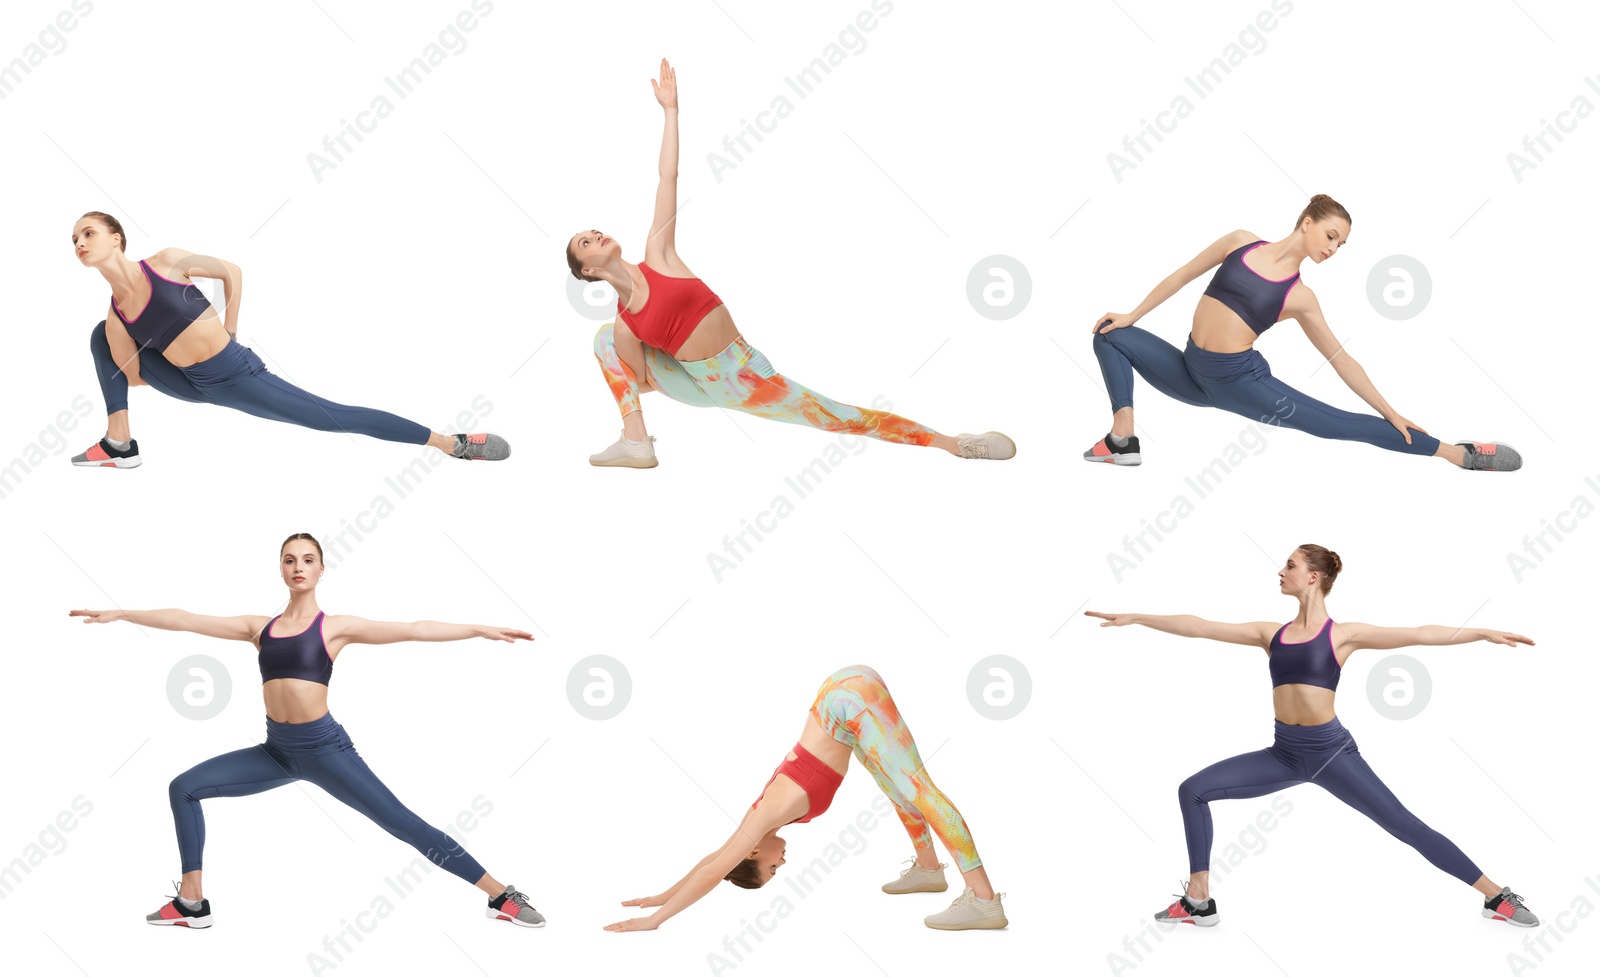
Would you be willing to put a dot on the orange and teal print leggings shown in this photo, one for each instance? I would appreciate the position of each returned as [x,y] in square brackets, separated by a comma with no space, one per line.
[855,708]
[740,378]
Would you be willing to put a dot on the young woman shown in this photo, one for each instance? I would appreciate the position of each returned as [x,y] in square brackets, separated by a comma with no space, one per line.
[161,332]
[1258,284]
[297,650]
[1305,657]
[853,713]
[676,336]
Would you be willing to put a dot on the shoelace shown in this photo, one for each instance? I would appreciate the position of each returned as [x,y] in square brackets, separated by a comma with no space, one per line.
[517,898]
[974,448]
[1184,885]
[1514,899]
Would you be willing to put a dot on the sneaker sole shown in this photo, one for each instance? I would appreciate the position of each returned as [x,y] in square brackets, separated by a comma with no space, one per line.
[1491,914]
[925,887]
[625,463]
[1127,460]
[113,463]
[497,914]
[194,923]
[1192,921]
[982,924]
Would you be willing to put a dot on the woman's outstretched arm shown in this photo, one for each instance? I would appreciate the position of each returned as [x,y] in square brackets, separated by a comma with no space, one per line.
[661,247]
[1258,633]
[360,631]
[647,902]
[1371,636]
[241,628]
[1302,306]
[711,869]
[1168,287]
[205,266]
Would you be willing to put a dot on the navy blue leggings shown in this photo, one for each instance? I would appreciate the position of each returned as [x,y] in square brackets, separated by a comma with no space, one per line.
[319,752]
[237,378]
[1325,755]
[1241,383]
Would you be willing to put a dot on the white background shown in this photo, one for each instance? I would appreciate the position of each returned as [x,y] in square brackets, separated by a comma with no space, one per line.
[424,270]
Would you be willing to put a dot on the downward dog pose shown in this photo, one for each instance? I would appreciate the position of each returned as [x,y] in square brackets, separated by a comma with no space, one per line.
[1258,284]
[1309,745]
[853,713]
[174,341]
[304,742]
[676,336]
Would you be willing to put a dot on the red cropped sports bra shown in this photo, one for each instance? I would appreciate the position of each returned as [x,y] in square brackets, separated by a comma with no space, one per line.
[671,310]
[817,779]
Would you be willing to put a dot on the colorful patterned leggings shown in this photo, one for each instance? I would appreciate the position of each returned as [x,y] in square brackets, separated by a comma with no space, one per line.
[854,707]
[740,378]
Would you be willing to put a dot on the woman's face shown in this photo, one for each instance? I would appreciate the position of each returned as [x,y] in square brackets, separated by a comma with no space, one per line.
[1297,578]
[592,248]
[93,242]
[1323,240]
[769,854]
[300,565]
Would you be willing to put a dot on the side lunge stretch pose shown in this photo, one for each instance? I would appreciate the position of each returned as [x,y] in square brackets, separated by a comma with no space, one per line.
[676,336]
[304,742]
[853,713]
[1309,744]
[175,342]
[1257,284]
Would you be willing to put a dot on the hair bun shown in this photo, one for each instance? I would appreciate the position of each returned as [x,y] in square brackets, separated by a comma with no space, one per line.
[1338,564]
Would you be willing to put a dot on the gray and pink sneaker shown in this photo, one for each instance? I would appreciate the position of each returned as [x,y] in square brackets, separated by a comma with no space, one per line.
[1507,907]
[481,447]
[107,455]
[1188,911]
[512,906]
[175,913]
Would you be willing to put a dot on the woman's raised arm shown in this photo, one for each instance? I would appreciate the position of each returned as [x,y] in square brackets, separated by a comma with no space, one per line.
[241,628]
[1371,636]
[661,246]
[359,631]
[1258,633]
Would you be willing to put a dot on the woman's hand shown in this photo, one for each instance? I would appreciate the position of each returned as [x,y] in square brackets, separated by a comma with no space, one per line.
[1401,423]
[647,902]
[502,634]
[632,925]
[667,88]
[1107,321]
[1505,638]
[98,617]
[1111,620]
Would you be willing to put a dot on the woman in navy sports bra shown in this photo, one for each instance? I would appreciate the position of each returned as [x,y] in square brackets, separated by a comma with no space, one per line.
[676,336]
[296,652]
[851,713]
[1309,745]
[162,332]
[1257,284]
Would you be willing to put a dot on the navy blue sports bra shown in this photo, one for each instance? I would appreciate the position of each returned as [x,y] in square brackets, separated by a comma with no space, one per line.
[302,655]
[1304,662]
[172,306]
[1258,300]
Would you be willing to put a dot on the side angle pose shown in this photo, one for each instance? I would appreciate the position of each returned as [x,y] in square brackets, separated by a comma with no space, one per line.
[853,713]
[175,342]
[304,742]
[676,336]
[1258,284]
[1309,744]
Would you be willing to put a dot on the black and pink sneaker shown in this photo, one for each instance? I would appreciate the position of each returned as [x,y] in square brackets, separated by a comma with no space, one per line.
[175,913]
[1108,451]
[512,906]
[107,455]
[1184,911]
[1507,907]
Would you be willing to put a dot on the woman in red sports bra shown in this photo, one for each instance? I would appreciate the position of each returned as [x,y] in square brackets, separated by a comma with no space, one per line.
[675,335]
[852,713]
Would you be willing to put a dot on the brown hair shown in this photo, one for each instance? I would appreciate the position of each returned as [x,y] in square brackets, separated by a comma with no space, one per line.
[1324,561]
[577,266]
[112,223]
[746,875]
[1321,208]
[303,536]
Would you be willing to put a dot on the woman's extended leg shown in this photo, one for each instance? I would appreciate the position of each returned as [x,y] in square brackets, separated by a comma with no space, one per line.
[236,774]
[1246,775]
[1349,778]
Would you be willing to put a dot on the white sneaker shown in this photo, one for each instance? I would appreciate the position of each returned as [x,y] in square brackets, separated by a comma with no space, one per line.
[991,445]
[918,879]
[969,913]
[627,454]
